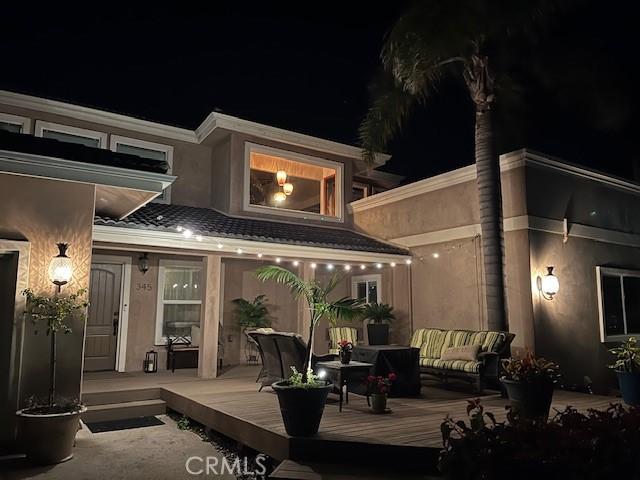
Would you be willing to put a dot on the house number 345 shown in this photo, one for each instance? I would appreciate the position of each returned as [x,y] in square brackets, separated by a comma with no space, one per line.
[144,286]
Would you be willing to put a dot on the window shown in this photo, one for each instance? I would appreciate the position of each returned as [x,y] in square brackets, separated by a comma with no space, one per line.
[618,303]
[179,299]
[293,184]
[150,150]
[65,133]
[367,288]
[359,191]
[15,123]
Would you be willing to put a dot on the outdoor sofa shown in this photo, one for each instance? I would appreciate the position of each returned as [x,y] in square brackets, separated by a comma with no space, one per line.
[483,370]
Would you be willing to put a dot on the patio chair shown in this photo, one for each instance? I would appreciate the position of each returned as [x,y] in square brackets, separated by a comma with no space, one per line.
[337,334]
[279,352]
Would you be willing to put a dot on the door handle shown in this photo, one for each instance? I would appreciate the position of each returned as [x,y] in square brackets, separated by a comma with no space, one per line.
[115,323]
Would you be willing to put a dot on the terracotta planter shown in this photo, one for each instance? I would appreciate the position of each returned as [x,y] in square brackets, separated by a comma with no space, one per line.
[301,408]
[531,400]
[48,438]
[378,402]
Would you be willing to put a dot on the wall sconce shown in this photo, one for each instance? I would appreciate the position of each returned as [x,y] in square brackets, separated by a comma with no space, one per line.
[60,267]
[548,285]
[143,263]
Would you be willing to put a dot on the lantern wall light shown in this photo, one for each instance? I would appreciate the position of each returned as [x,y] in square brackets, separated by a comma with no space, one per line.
[143,263]
[548,285]
[60,267]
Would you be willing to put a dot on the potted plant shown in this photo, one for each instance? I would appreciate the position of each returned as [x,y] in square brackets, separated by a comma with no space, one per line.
[48,429]
[529,382]
[252,313]
[303,395]
[346,348]
[627,368]
[377,390]
[379,316]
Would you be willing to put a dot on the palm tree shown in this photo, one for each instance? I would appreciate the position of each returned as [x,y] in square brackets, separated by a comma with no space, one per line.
[432,40]
[316,296]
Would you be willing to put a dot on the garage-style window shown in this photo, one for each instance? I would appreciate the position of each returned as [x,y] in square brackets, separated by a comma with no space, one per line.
[618,303]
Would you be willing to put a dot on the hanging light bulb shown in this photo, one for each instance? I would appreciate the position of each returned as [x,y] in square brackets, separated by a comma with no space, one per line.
[279,197]
[287,188]
[281,177]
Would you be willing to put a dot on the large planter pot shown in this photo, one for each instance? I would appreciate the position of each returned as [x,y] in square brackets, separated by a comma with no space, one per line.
[48,438]
[531,400]
[378,402]
[629,387]
[301,408]
[378,333]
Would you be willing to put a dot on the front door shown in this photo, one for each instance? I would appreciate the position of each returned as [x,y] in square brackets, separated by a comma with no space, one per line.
[101,339]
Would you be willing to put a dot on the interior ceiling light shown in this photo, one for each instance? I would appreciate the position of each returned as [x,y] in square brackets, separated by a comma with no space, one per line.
[281,177]
[287,188]
[279,197]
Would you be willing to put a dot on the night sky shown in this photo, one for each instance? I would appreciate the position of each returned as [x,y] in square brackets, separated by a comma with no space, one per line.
[308,70]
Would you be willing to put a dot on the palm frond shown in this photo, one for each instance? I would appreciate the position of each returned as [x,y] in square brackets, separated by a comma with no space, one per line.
[283,276]
[346,308]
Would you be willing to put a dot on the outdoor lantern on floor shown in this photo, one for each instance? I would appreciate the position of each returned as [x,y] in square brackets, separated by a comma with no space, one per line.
[151,362]
[60,267]
[549,284]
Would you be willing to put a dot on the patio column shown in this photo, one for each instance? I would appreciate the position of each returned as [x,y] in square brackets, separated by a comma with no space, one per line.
[304,317]
[210,318]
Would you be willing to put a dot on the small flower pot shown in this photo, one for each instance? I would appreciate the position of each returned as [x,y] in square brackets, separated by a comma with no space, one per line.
[301,408]
[48,438]
[378,402]
[629,387]
[530,400]
[345,356]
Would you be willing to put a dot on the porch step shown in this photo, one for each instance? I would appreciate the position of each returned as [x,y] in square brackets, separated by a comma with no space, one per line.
[123,410]
[120,396]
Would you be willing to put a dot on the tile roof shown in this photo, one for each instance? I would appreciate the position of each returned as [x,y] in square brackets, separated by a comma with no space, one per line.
[209,222]
[25,143]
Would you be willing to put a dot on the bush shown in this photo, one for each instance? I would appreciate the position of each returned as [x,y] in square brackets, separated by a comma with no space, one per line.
[572,445]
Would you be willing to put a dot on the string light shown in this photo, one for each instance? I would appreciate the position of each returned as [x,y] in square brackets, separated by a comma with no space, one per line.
[378,266]
[259,255]
[220,245]
[199,238]
[363,266]
[278,259]
[187,233]
[347,267]
[330,266]
[435,255]
[239,251]
[393,264]
[313,265]
[179,228]
[408,261]
[296,263]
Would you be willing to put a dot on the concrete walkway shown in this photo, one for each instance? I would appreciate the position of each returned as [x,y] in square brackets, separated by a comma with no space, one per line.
[157,453]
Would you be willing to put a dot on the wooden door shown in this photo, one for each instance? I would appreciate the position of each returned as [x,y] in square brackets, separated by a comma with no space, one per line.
[101,338]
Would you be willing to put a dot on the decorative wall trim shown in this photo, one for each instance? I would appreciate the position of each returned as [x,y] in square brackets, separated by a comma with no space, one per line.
[523,222]
[153,238]
[508,161]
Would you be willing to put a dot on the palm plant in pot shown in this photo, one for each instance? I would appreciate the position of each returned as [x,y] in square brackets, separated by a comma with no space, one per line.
[379,316]
[302,396]
[627,368]
[48,428]
[252,313]
[529,382]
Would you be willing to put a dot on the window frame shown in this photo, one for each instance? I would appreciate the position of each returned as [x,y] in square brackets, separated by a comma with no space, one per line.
[250,147]
[115,140]
[24,122]
[377,277]
[159,339]
[621,273]
[69,130]
[361,186]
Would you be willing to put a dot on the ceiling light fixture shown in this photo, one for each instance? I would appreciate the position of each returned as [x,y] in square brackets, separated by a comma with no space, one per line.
[281,177]
[287,188]
[279,197]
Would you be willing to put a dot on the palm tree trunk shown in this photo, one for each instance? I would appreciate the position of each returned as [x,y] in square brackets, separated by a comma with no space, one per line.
[490,203]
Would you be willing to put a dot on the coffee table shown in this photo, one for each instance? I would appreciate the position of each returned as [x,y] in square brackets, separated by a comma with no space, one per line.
[401,360]
[341,374]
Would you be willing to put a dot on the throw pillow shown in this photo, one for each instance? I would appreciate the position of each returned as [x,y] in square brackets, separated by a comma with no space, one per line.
[466,352]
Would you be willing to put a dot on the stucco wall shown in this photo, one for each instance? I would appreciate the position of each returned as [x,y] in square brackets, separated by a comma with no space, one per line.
[44,212]
[567,328]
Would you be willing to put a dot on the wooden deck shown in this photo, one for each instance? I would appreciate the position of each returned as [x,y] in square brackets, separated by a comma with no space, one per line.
[410,434]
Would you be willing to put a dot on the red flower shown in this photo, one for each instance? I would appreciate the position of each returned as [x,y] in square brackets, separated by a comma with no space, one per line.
[392,376]
[371,379]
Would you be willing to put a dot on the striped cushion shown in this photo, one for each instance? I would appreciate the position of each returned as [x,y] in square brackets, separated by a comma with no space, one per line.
[432,341]
[337,334]
[456,365]
[416,338]
[493,342]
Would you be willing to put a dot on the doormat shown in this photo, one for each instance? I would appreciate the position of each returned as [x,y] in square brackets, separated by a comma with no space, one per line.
[126,424]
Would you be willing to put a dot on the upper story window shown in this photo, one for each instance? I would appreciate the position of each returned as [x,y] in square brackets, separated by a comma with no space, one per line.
[144,149]
[618,303]
[366,288]
[65,133]
[293,184]
[15,123]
